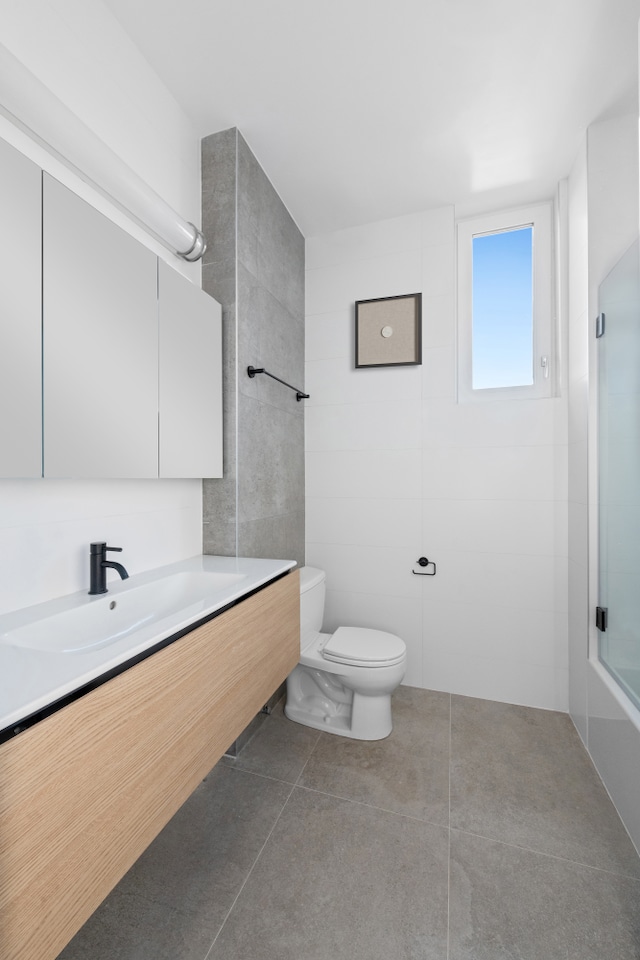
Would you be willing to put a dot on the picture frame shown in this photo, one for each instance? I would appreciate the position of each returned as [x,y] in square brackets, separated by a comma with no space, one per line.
[389,331]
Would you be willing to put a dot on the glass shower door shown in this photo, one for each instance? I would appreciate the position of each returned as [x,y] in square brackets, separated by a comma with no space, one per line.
[619,472]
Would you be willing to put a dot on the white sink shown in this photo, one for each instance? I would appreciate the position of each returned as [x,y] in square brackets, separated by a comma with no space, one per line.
[102,621]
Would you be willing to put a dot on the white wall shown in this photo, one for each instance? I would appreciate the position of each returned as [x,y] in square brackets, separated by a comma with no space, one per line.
[397,469]
[578,398]
[82,54]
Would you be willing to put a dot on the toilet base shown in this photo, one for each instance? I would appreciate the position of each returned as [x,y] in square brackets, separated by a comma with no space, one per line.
[340,724]
[318,699]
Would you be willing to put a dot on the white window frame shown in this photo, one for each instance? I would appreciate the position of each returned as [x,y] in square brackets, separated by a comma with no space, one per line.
[540,216]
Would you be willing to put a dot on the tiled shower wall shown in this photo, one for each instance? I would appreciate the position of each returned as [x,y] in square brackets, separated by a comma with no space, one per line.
[254,266]
[396,469]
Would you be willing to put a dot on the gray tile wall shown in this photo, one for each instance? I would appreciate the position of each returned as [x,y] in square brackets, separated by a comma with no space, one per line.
[219,280]
[254,266]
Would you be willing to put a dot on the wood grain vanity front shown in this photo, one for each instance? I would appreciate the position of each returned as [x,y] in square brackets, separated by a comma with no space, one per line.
[84,792]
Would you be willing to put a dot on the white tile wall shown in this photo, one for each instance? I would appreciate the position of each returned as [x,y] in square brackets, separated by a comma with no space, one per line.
[329,335]
[438,373]
[379,239]
[487,631]
[363,520]
[332,381]
[390,425]
[492,473]
[46,527]
[578,408]
[364,473]
[438,327]
[396,469]
[512,683]
[496,526]
[497,424]
[513,580]
[359,568]
[438,227]
[328,288]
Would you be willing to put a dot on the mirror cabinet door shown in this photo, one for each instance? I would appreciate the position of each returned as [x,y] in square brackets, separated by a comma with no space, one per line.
[20,316]
[190,386]
[100,344]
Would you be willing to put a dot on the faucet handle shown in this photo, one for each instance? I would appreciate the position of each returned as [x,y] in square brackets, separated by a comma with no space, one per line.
[100,546]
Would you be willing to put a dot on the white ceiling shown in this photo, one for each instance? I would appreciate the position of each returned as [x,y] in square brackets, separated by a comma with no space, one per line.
[364,109]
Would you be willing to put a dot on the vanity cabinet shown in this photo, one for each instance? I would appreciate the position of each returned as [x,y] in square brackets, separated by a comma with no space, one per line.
[190,378]
[20,321]
[85,790]
[100,344]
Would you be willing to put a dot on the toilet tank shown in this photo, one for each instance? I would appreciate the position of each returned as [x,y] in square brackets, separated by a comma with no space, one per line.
[312,590]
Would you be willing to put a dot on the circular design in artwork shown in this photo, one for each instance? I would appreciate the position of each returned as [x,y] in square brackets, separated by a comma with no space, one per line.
[387,331]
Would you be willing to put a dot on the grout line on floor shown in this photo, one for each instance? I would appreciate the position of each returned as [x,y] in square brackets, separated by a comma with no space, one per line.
[371,806]
[246,879]
[263,776]
[549,856]
[297,783]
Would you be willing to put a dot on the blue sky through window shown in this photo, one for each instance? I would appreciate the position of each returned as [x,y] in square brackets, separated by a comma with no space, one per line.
[503,309]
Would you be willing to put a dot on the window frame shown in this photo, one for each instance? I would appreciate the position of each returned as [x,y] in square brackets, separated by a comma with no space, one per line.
[540,216]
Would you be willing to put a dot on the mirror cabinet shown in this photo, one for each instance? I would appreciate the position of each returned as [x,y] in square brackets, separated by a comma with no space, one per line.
[111,360]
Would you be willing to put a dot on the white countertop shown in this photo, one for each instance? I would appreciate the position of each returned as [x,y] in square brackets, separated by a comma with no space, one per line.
[33,679]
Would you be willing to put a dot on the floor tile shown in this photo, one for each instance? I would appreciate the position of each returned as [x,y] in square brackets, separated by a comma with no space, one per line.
[202,856]
[340,880]
[129,927]
[522,776]
[347,865]
[407,773]
[193,869]
[511,904]
[279,749]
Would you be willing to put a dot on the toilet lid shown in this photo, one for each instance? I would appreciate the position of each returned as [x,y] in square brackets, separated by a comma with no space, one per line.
[360,646]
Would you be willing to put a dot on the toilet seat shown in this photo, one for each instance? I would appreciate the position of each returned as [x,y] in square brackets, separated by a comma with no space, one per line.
[363,647]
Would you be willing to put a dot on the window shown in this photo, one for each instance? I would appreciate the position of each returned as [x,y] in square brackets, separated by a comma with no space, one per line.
[505,305]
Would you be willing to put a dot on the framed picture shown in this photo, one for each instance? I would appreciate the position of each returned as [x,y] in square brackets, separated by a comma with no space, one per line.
[389,331]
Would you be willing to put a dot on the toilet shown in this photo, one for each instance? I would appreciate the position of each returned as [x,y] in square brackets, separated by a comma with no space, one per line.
[344,680]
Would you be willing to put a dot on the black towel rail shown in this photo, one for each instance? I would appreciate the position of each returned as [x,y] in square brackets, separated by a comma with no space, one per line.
[299,394]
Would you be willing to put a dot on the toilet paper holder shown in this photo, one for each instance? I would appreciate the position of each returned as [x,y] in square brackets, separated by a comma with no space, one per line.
[423,562]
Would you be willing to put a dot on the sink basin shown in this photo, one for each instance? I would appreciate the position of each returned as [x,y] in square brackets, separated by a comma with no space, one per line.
[103,621]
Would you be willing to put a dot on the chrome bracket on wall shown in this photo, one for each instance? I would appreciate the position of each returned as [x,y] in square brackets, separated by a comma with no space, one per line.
[423,562]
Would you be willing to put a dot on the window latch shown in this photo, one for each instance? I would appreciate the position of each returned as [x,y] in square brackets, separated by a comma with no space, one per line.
[544,363]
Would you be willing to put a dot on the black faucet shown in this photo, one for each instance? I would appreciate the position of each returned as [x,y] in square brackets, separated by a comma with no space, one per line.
[98,567]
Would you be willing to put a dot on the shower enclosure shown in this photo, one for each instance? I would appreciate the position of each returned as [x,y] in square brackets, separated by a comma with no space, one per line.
[618,332]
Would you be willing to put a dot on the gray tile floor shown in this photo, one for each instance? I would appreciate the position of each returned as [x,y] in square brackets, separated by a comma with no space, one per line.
[476,831]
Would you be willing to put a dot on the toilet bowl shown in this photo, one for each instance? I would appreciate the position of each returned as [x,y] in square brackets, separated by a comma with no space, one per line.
[344,680]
